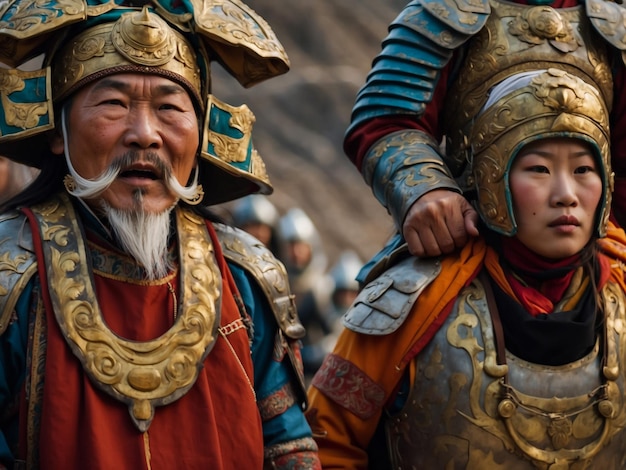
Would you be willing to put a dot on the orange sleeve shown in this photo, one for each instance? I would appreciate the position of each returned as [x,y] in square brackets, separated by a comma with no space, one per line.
[344,417]
[349,392]
[613,246]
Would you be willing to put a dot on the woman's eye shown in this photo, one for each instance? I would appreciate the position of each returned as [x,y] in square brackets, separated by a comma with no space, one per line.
[584,169]
[538,169]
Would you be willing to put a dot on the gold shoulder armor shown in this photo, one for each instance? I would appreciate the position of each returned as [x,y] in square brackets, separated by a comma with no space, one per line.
[17,262]
[245,42]
[246,251]
[609,19]
[460,18]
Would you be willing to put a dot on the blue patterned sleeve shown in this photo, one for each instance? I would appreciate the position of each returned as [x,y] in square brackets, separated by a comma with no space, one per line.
[287,435]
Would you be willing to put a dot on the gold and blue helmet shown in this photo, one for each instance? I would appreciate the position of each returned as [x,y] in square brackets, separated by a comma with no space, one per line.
[526,108]
[83,40]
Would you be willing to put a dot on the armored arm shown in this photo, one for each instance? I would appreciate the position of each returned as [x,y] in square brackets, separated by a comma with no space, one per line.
[270,275]
[403,166]
[17,263]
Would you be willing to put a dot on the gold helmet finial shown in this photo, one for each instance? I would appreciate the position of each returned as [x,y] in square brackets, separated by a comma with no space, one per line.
[139,41]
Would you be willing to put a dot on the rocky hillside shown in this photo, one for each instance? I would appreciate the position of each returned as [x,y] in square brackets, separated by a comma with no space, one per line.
[302,115]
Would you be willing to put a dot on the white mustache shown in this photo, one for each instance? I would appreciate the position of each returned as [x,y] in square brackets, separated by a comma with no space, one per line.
[90,188]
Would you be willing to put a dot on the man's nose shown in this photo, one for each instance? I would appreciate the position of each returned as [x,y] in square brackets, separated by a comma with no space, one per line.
[144,130]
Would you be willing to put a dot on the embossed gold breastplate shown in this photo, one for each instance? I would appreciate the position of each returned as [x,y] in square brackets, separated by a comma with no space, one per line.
[141,374]
[467,412]
[519,38]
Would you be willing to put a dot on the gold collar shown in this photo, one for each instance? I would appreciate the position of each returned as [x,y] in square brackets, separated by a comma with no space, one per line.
[140,374]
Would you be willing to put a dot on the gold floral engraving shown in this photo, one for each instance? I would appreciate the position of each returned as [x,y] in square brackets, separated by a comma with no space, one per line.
[21,115]
[101,9]
[26,26]
[257,167]
[26,18]
[10,82]
[234,22]
[24,116]
[146,374]
[229,148]
[537,24]
[11,263]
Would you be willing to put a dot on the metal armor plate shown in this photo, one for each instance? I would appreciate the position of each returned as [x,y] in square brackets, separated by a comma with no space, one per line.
[17,262]
[520,38]
[385,303]
[461,414]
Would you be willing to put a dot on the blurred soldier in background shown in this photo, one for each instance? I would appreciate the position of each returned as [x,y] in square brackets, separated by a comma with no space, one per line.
[14,177]
[345,285]
[301,251]
[345,288]
[256,215]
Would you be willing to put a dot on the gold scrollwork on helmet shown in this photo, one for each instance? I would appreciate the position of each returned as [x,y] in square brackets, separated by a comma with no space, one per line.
[136,39]
[25,115]
[554,103]
[144,39]
[236,23]
[257,167]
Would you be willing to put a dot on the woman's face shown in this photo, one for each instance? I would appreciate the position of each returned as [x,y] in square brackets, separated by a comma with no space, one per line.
[556,188]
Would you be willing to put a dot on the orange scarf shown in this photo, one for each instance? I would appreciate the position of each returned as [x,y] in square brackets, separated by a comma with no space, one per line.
[460,268]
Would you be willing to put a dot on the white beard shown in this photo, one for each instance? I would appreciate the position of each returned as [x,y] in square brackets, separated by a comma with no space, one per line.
[143,235]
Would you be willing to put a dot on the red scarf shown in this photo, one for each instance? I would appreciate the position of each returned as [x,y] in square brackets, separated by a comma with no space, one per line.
[538,283]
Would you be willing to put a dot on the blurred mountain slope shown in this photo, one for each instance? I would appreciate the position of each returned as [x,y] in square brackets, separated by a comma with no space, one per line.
[302,115]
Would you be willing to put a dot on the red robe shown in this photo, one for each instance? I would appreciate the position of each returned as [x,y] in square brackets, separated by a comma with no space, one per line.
[83,427]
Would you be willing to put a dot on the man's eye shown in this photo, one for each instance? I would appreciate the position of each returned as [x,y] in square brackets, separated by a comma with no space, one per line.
[170,106]
[113,102]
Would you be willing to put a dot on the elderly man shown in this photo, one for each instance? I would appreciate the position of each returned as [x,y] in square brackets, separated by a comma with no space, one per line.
[136,332]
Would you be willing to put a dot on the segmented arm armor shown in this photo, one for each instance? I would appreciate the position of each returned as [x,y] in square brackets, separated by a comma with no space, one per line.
[402,81]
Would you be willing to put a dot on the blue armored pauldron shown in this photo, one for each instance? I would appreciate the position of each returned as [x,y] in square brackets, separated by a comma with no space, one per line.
[420,43]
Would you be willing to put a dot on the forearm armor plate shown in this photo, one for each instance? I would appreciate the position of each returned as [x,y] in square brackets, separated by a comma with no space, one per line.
[403,166]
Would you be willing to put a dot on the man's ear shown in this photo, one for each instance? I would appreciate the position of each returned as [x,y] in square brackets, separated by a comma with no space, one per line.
[55,141]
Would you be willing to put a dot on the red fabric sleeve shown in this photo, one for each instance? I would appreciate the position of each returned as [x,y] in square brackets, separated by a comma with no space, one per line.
[361,139]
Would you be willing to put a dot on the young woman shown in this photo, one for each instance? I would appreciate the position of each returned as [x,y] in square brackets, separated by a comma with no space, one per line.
[508,353]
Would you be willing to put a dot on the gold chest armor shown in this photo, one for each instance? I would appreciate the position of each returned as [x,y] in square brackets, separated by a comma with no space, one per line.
[520,38]
[467,412]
